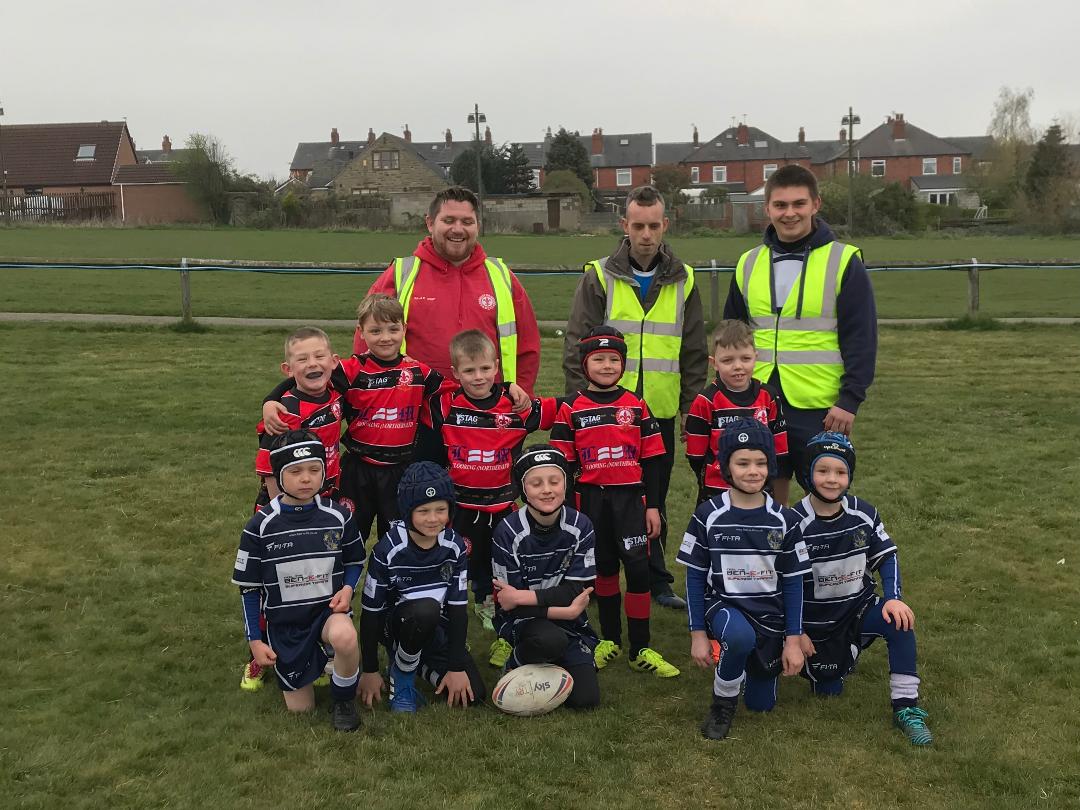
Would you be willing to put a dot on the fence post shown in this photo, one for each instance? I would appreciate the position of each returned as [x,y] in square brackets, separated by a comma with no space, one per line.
[714,292]
[185,292]
[973,289]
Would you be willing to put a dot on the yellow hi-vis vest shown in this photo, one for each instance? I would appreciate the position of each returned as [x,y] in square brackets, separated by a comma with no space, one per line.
[653,338]
[801,340]
[407,268]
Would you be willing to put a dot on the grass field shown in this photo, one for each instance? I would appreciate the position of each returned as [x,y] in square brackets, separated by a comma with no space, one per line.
[129,479]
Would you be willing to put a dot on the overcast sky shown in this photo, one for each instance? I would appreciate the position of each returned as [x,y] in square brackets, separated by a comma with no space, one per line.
[262,76]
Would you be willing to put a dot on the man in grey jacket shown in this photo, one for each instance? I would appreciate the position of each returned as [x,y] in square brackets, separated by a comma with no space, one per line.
[649,294]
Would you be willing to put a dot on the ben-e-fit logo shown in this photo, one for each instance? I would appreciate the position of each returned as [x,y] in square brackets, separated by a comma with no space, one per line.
[305,579]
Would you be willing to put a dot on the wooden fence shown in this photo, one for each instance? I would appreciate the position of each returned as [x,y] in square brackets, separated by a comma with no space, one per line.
[72,207]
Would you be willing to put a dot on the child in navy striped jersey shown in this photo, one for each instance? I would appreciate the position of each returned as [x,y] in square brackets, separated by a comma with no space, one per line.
[543,561]
[744,562]
[415,598]
[300,559]
[843,614]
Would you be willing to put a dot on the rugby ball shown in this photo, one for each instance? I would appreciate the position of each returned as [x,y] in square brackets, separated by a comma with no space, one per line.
[532,689]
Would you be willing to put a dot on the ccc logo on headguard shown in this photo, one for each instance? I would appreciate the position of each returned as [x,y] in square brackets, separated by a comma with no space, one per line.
[301,452]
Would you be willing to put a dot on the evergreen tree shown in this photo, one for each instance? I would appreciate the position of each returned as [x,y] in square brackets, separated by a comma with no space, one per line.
[492,166]
[519,177]
[1049,162]
[567,153]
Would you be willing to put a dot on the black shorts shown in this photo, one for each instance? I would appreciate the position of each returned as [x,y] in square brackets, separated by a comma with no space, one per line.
[836,655]
[618,518]
[371,492]
[301,657]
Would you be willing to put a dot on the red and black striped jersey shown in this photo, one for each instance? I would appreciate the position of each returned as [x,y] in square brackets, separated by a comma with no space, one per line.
[483,438]
[384,403]
[609,433]
[717,406]
[321,415]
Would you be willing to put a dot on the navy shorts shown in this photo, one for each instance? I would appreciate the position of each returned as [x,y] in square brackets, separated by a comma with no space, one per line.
[301,656]
[836,655]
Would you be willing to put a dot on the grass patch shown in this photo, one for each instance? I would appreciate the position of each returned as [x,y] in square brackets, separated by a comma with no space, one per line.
[131,479]
[978,323]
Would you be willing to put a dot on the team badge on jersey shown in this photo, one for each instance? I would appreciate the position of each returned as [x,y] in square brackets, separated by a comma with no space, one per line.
[486,301]
[761,415]
[859,538]
[566,560]
[335,409]
[624,416]
[776,539]
[405,378]
[446,571]
[502,421]
[332,540]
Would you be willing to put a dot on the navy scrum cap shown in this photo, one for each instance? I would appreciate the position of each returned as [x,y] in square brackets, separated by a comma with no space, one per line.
[423,482]
[295,447]
[746,434]
[830,444]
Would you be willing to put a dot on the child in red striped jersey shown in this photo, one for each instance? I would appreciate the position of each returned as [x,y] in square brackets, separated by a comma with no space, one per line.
[482,430]
[609,435]
[734,394]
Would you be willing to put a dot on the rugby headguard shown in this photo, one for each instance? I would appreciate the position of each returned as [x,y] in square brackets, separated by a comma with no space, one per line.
[423,482]
[745,434]
[535,457]
[834,445]
[601,338]
[295,447]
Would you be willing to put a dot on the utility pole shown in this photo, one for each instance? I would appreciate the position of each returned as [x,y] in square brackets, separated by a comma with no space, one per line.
[5,210]
[850,120]
[478,118]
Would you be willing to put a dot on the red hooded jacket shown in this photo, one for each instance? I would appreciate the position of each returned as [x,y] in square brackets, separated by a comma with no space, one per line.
[446,300]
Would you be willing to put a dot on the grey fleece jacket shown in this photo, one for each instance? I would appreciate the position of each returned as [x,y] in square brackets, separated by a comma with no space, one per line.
[588,308]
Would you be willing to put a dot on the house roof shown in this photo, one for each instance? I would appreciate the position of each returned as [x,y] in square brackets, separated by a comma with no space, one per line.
[621,150]
[760,145]
[307,154]
[673,152]
[146,173]
[880,143]
[978,145]
[939,182]
[46,154]
[826,151]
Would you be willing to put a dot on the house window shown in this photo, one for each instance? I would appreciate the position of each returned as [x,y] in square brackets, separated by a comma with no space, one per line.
[929,165]
[624,142]
[957,165]
[877,168]
[769,170]
[719,174]
[386,160]
[760,144]
[695,174]
[86,151]
[940,197]
[536,178]
[622,177]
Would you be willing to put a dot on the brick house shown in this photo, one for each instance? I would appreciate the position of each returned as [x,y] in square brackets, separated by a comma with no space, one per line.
[166,154]
[619,162]
[388,165]
[88,170]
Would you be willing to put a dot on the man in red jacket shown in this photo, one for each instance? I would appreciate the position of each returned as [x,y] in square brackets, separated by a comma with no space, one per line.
[449,285]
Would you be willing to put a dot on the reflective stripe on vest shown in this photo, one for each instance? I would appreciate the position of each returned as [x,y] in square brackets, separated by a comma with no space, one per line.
[406,270]
[801,341]
[653,339]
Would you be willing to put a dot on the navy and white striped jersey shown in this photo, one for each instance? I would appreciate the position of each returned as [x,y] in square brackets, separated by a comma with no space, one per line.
[745,554]
[399,570]
[533,560]
[297,556]
[845,551]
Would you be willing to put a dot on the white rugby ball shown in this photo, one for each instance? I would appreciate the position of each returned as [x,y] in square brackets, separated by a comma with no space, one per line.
[532,689]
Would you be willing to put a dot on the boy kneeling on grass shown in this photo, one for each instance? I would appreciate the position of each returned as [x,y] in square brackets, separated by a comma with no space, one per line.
[543,560]
[301,557]
[415,599]
[842,612]
[745,562]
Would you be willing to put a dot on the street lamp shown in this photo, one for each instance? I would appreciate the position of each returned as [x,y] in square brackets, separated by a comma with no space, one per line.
[478,118]
[849,121]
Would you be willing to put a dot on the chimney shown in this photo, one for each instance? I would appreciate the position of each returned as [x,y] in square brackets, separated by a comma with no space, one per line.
[487,135]
[695,135]
[166,145]
[742,135]
[598,141]
[802,136]
[449,139]
[334,138]
[843,135]
[408,134]
[370,136]
[899,130]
